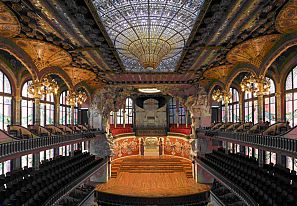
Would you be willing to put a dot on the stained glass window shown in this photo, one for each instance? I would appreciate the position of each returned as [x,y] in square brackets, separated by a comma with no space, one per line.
[5,101]
[269,104]
[137,28]
[182,113]
[233,106]
[27,107]
[65,109]
[250,108]
[129,111]
[47,110]
[291,97]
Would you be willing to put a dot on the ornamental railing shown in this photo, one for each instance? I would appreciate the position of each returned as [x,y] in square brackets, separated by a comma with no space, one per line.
[25,145]
[267,141]
[243,195]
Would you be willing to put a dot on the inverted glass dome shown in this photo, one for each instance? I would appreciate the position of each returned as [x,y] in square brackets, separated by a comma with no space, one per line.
[149,35]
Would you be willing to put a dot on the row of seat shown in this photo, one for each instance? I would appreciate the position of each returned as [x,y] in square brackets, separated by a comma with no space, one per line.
[265,186]
[77,195]
[227,197]
[36,186]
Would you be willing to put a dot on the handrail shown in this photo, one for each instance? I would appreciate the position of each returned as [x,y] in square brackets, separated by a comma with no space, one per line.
[268,141]
[10,148]
[245,197]
[72,185]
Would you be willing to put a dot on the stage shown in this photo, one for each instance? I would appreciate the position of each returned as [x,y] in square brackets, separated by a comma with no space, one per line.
[164,176]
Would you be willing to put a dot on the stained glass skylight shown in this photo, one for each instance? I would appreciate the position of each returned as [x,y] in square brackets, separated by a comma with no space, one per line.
[149,34]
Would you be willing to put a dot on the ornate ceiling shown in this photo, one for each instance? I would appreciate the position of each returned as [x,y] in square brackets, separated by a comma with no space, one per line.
[149,31]
[112,41]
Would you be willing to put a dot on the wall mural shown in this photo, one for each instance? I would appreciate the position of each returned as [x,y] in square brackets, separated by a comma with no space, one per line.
[125,147]
[137,145]
[177,147]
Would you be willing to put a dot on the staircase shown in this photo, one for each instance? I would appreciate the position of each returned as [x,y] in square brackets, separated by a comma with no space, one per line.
[151,165]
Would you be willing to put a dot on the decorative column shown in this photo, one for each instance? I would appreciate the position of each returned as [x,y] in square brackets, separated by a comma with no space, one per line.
[124,117]
[241,106]
[72,114]
[115,119]
[37,110]
[176,112]
[18,103]
[226,111]
[57,110]
[278,98]
[187,115]
[260,107]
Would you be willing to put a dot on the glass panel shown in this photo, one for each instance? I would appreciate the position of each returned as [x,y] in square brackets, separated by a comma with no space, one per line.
[7,87]
[289,163]
[7,166]
[289,81]
[7,112]
[1,81]
[24,162]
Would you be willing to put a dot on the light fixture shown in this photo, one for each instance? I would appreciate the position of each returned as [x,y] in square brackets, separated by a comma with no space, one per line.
[219,96]
[74,98]
[44,87]
[255,85]
[149,35]
[149,90]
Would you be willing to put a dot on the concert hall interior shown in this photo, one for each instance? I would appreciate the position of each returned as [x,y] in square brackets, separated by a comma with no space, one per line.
[148,102]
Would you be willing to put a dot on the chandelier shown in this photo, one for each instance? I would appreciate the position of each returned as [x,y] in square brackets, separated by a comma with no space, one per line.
[44,87]
[219,96]
[255,85]
[74,98]
[149,34]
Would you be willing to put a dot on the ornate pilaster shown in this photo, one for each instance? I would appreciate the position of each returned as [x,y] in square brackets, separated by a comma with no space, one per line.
[72,114]
[37,110]
[260,108]
[57,110]
[226,117]
[124,117]
[278,98]
[18,103]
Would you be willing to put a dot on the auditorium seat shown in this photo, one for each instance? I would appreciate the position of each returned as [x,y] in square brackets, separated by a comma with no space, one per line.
[270,185]
[33,187]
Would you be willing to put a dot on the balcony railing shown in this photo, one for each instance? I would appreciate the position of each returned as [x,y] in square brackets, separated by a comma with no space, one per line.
[272,142]
[243,195]
[10,148]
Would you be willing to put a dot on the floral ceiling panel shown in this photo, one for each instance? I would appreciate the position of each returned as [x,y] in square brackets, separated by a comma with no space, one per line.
[149,35]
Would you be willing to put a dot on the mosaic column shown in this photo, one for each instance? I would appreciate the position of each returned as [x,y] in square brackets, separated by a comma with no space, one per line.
[57,110]
[260,108]
[278,99]
[18,103]
[37,110]
[72,114]
[124,118]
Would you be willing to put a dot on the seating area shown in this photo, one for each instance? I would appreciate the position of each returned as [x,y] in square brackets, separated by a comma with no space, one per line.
[120,129]
[224,195]
[182,128]
[33,187]
[76,196]
[268,185]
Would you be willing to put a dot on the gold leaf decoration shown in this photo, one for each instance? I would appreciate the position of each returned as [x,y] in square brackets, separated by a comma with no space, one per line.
[252,51]
[286,20]
[9,24]
[78,75]
[44,54]
[218,73]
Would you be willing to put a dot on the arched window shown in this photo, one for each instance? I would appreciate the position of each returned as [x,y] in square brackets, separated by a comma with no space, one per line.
[233,106]
[65,109]
[291,97]
[47,109]
[5,101]
[183,114]
[269,104]
[250,107]
[129,111]
[27,107]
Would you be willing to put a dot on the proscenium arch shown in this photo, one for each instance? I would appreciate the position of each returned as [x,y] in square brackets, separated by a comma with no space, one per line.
[240,68]
[278,49]
[57,71]
[10,47]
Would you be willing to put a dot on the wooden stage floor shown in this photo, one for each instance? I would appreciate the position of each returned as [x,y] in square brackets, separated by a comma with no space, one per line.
[152,177]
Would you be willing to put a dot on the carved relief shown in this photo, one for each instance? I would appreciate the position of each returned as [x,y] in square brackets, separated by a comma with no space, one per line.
[44,54]
[78,75]
[219,73]
[286,21]
[252,51]
[9,24]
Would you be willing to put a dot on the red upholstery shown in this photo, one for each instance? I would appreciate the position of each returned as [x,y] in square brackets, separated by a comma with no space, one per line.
[183,129]
[120,129]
